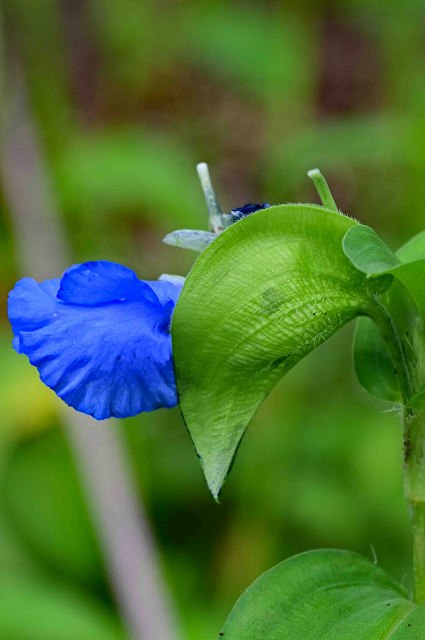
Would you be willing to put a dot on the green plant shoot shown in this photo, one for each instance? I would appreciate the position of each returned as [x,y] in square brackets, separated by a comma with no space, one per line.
[279,283]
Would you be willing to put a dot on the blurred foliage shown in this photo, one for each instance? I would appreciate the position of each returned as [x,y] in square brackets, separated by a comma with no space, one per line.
[127,96]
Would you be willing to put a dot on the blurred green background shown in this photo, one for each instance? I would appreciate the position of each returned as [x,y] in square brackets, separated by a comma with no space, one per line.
[126,96]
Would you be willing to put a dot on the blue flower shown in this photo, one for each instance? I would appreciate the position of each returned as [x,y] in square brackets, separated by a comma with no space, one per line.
[242,212]
[99,337]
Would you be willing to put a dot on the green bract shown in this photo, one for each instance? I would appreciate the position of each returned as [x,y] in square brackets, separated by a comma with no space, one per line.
[405,301]
[326,595]
[370,255]
[269,290]
[372,361]
[266,292]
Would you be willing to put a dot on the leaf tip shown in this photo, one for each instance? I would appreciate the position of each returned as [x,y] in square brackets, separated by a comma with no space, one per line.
[215,483]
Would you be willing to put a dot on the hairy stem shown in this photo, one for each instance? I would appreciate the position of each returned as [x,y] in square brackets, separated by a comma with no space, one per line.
[417,515]
[322,189]
[414,448]
[414,466]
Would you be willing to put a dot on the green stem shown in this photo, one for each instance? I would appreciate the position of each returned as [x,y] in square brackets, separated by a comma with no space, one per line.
[322,189]
[417,517]
[414,484]
[414,447]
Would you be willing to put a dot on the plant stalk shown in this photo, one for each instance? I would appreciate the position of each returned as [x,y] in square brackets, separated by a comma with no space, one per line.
[322,189]
[129,549]
[214,211]
[414,447]
[414,486]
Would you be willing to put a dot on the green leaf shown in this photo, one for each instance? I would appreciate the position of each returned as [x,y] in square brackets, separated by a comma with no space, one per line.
[368,252]
[412,275]
[45,505]
[413,250]
[418,400]
[267,291]
[220,36]
[326,595]
[31,608]
[372,361]
[111,171]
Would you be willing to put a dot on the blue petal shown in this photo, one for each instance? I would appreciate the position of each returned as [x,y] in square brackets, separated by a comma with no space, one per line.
[108,354]
[31,305]
[165,289]
[93,283]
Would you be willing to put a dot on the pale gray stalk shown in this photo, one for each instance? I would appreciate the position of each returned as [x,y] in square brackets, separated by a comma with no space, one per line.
[128,547]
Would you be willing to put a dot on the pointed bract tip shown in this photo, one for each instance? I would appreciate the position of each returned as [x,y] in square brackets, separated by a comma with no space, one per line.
[171,239]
